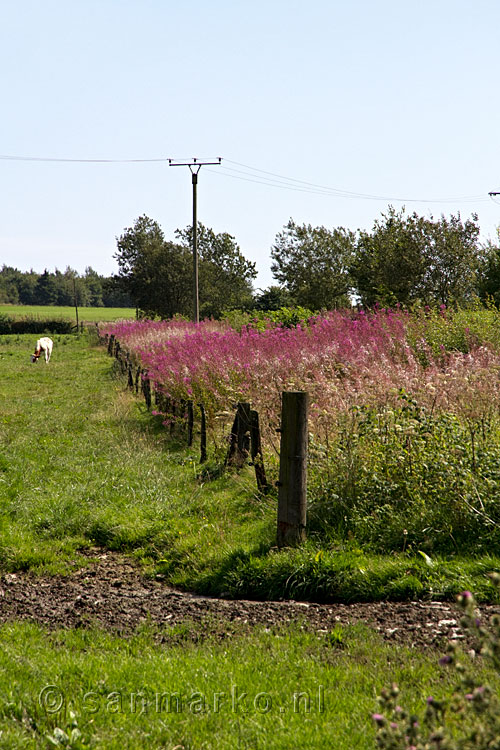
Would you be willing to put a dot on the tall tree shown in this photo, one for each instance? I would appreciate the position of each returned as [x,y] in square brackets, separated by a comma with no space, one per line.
[27,286]
[225,275]
[46,292]
[406,258]
[155,273]
[312,263]
[9,285]
[489,280]
[94,286]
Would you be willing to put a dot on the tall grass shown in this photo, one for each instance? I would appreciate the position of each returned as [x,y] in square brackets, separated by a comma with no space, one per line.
[404,418]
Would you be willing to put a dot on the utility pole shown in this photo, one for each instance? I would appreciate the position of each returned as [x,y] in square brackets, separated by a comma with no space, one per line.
[75,297]
[194,165]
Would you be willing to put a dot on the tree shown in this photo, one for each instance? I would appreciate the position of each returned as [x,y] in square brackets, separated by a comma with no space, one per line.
[94,286]
[272,298]
[454,258]
[46,292]
[225,275]
[406,258]
[155,273]
[114,294]
[312,263]
[489,278]
[9,285]
[27,286]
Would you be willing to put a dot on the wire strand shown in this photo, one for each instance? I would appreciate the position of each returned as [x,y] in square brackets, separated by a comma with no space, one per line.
[263,177]
[346,193]
[83,161]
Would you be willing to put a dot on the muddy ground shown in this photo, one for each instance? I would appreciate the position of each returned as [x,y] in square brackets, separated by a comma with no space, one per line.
[110,592]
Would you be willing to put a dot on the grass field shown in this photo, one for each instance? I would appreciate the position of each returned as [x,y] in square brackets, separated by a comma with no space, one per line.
[83,463]
[279,689]
[52,312]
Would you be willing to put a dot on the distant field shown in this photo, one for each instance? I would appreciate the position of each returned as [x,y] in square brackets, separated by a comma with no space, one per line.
[91,314]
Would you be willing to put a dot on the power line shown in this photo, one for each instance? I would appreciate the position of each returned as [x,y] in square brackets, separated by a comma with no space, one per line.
[80,161]
[284,181]
[262,177]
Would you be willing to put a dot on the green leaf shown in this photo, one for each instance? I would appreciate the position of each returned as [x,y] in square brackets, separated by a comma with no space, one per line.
[427,559]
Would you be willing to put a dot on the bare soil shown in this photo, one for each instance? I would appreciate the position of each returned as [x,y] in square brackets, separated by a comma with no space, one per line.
[110,592]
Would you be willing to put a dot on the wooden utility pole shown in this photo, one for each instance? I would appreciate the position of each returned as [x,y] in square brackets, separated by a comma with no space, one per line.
[195,165]
[75,297]
[292,492]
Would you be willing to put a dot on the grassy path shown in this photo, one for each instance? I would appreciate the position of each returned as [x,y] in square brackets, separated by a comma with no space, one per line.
[82,463]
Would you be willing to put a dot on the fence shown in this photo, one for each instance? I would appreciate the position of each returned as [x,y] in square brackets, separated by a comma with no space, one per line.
[245,442]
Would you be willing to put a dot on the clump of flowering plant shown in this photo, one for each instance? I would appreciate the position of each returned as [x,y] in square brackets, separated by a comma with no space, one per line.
[469,719]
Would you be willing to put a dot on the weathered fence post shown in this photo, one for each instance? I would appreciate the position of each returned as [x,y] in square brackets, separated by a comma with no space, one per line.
[239,445]
[190,422]
[292,485]
[173,414]
[146,388]
[256,452]
[111,344]
[203,435]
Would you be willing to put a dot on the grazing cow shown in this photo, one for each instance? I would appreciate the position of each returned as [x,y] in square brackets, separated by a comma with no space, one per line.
[43,345]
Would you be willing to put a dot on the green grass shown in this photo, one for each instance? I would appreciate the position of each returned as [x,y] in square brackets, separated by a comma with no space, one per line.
[83,463]
[53,312]
[272,689]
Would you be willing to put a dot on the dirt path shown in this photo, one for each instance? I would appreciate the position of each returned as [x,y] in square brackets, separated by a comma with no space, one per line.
[111,593]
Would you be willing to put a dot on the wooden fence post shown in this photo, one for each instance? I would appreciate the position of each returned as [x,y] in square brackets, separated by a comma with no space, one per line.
[111,343]
[190,422]
[239,445]
[256,452]
[292,485]
[173,414]
[203,435]
[146,388]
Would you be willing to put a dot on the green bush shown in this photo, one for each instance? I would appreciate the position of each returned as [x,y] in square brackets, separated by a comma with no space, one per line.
[34,325]
[286,317]
[445,331]
[406,479]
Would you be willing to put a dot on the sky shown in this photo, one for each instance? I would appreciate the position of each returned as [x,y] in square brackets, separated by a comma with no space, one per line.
[322,111]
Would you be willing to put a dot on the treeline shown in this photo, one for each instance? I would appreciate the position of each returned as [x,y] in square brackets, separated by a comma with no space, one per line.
[87,290]
[404,259]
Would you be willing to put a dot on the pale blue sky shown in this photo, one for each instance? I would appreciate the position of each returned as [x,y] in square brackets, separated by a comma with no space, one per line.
[384,98]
